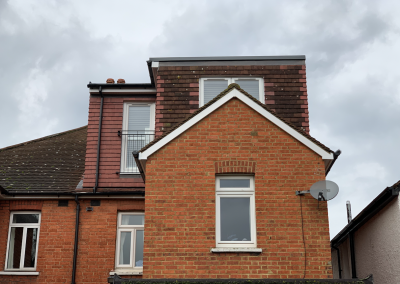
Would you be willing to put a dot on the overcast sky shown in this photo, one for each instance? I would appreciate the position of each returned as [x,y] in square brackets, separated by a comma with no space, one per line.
[50,50]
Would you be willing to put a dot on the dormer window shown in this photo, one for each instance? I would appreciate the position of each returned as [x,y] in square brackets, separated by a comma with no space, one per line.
[212,87]
[137,132]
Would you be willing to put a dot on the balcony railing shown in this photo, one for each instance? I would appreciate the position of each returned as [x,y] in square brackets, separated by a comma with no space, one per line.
[133,140]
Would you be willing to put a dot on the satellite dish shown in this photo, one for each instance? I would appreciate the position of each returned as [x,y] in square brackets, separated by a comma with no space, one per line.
[324,190]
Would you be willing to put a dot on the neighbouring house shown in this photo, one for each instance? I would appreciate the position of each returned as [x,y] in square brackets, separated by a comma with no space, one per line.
[370,243]
[191,176]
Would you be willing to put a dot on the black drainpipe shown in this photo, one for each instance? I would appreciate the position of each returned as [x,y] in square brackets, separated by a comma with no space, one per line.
[78,205]
[352,256]
[99,141]
[338,260]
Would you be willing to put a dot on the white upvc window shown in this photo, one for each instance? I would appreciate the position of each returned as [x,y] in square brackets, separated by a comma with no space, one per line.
[212,87]
[130,242]
[137,131]
[23,241]
[235,212]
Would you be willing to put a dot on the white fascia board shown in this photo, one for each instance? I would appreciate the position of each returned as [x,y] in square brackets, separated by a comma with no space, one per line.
[123,91]
[236,94]
[155,64]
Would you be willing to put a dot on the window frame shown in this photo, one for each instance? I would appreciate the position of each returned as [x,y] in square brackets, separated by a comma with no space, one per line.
[132,229]
[235,192]
[125,119]
[23,245]
[231,80]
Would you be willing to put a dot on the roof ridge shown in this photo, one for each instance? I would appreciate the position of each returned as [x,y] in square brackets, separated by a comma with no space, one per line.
[223,93]
[42,138]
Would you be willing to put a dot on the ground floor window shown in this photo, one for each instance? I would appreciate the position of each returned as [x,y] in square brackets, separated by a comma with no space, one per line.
[23,240]
[130,241]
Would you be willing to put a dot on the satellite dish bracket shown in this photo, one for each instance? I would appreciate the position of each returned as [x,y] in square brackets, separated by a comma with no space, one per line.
[302,192]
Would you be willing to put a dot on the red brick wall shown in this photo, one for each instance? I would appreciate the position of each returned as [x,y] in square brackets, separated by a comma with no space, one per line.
[178,91]
[180,201]
[97,236]
[110,148]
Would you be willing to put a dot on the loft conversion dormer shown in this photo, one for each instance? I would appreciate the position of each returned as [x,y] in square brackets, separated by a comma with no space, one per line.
[133,115]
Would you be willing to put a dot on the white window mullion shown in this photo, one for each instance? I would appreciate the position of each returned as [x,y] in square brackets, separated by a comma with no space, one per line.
[23,246]
[133,248]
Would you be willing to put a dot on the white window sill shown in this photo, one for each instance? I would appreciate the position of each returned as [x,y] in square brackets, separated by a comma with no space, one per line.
[19,273]
[258,250]
[127,272]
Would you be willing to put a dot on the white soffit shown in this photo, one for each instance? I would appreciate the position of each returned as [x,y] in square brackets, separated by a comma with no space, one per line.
[234,93]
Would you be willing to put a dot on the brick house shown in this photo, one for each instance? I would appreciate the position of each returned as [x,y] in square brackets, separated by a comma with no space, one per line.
[190,176]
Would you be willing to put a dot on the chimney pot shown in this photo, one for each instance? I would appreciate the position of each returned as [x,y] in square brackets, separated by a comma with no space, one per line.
[110,81]
[121,81]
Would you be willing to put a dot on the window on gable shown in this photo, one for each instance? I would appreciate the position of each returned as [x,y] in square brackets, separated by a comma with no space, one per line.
[130,241]
[138,131]
[23,240]
[211,87]
[235,212]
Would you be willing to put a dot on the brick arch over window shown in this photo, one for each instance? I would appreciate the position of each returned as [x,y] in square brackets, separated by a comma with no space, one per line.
[21,205]
[225,167]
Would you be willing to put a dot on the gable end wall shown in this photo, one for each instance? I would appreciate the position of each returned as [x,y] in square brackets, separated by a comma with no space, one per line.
[180,201]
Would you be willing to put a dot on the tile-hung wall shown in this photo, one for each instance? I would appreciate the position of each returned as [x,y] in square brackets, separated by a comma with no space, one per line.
[178,90]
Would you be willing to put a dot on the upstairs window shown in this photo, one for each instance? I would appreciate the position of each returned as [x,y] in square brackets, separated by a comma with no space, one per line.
[137,132]
[23,240]
[235,212]
[212,87]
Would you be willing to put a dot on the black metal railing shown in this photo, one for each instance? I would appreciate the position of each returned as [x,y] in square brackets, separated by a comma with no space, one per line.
[133,140]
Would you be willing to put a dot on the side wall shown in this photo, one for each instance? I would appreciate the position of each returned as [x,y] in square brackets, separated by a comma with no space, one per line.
[97,239]
[180,202]
[377,246]
[110,148]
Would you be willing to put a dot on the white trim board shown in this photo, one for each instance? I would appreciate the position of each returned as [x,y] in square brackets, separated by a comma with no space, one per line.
[234,93]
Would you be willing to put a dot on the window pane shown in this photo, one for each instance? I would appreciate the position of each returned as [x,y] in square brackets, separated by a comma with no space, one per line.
[234,183]
[132,220]
[139,248]
[14,249]
[26,218]
[235,218]
[30,249]
[125,248]
[139,118]
[213,88]
[250,86]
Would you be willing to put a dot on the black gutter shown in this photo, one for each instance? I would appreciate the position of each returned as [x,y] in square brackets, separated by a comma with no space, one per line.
[78,206]
[367,213]
[99,141]
[338,257]
[139,165]
[121,86]
[335,156]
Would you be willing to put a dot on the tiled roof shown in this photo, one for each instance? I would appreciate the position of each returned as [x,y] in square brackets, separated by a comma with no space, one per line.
[226,91]
[53,163]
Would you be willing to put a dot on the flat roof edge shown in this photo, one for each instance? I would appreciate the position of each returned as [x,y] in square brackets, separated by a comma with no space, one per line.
[227,58]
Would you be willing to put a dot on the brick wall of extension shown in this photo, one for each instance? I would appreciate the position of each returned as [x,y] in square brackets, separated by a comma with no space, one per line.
[110,150]
[97,239]
[180,201]
[178,91]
